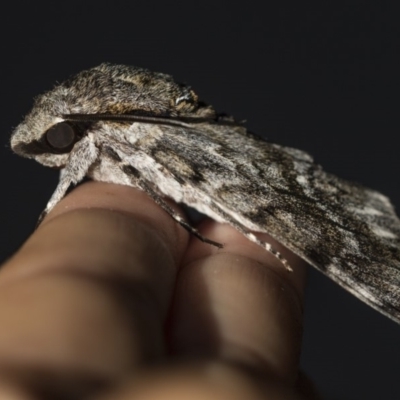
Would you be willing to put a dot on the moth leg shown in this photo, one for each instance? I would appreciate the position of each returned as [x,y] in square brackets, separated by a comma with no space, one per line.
[142,184]
[82,156]
[243,230]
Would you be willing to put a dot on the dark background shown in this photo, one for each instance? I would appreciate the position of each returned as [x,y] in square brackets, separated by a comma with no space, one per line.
[319,76]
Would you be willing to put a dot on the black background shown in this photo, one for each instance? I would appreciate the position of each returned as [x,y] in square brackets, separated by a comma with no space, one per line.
[319,76]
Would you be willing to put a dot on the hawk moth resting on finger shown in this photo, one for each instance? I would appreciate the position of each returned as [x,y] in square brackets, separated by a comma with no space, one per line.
[130,126]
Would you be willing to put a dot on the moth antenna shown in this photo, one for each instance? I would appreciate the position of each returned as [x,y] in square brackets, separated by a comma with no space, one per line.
[149,119]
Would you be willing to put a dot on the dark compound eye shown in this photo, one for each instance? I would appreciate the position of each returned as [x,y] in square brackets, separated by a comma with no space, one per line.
[61,136]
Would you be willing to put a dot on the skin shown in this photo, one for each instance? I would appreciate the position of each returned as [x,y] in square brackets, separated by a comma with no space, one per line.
[112,299]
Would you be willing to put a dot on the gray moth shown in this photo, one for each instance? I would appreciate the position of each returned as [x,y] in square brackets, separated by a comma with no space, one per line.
[131,126]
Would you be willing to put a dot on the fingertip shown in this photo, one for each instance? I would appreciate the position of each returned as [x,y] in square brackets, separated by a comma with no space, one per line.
[234,242]
[91,288]
[132,202]
[239,303]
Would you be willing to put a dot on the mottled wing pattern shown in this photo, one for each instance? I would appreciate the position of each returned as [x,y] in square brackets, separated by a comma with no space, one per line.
[350,233]
[206,161]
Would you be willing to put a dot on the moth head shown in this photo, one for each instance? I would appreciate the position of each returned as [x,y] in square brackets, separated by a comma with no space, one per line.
[48,135]
[51,148]
[44,134]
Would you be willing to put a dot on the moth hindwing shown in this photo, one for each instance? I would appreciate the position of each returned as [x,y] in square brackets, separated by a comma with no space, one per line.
[127,125]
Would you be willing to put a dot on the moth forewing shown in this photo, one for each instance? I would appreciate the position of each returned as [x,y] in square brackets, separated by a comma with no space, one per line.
[131,126]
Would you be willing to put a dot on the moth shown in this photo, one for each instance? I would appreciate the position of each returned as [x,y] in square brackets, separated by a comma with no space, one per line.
[131,126]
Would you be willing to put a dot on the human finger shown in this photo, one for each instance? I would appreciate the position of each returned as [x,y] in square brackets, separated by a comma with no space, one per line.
[239,305]
[83,302]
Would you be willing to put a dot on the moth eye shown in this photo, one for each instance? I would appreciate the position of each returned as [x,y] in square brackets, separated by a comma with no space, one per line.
[61,136]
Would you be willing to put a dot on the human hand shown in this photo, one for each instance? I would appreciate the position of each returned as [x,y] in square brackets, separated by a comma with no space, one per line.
[110,298]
